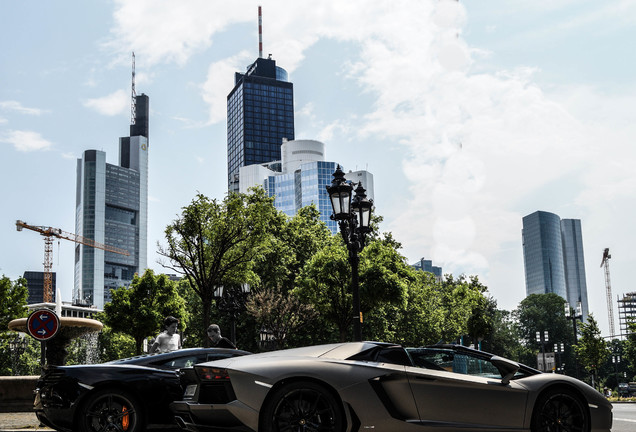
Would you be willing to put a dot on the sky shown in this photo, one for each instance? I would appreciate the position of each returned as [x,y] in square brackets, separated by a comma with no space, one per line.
[469,114]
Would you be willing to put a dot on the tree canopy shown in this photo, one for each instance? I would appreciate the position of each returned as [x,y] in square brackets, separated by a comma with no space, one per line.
[217,243]
[139,310]
[13,299]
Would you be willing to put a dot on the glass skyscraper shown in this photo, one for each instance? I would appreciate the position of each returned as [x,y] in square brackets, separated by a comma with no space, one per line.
[112,208]
[260,113]
[300,179]
[553,257]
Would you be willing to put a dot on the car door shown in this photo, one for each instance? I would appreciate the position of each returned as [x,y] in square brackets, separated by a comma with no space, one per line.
[457,390]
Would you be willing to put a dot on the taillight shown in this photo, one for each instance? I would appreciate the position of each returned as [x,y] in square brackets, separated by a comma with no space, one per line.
[211,373]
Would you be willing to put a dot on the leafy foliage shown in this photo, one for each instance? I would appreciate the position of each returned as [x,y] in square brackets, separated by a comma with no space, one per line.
[140,309]
[592,350]
[217,243]
[13,299]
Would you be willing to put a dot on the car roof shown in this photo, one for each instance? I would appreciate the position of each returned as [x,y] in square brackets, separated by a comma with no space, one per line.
[145,359]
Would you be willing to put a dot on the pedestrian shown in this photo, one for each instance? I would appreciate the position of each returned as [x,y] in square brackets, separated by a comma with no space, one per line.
[168,340]
[218,341]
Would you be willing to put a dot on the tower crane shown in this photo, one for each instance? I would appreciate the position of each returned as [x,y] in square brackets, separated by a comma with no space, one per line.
[608,289]
[49,233]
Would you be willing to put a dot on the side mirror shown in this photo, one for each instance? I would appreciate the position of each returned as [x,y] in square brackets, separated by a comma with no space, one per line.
[507,368]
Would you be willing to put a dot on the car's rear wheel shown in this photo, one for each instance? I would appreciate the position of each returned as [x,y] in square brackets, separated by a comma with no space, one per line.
[303,406]
[560,410]
[111,410]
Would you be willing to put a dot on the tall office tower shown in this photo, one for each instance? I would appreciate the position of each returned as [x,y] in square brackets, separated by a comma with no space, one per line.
[112,208]
[574,263]
[300,179]
[553,257]
[260,113]
[35,285]
[427,266]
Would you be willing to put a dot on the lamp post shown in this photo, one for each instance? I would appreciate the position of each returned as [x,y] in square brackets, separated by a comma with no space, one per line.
[558,350]
[232,300]
[542,339]
[574,315]
[353,217]
[616,359]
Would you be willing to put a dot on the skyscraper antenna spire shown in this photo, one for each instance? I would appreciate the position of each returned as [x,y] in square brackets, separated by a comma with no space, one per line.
[133,102]
[260,33]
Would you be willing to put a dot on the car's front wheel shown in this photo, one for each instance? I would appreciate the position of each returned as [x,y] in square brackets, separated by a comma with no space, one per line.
[111,410]
[559,410]
[303,406]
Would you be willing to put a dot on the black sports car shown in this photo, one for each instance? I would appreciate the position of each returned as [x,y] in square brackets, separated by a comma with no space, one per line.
[121,395]
[363,386]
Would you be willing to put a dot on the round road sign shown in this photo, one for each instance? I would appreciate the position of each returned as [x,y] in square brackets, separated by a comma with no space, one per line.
[43,324]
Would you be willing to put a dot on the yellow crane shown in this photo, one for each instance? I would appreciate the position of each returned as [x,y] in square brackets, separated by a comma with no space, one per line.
[49,233]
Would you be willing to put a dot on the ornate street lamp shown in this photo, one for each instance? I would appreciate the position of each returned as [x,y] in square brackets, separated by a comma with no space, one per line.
[232,300]
[17,346]
[354,219]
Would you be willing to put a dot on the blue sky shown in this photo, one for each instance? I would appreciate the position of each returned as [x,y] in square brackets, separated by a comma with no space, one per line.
[469,114]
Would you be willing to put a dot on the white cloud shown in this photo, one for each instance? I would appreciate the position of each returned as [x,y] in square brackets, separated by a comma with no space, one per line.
[26,141]
[110,105]
[219,79]
[17,107]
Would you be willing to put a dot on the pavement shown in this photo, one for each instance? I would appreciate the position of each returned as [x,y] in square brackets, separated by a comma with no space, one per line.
[21,422]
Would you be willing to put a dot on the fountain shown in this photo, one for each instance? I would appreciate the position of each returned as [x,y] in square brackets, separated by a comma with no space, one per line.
[70,328]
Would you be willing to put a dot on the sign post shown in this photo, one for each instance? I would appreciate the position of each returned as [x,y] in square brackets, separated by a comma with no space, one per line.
[42,325]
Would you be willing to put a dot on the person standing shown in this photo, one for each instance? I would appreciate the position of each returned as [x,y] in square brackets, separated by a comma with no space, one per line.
[168,340]
[218,341]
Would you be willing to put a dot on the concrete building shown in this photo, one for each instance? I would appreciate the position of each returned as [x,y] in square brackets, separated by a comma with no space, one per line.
[626,312]
[112,208]
[301,180]
[260,113]
[553,258]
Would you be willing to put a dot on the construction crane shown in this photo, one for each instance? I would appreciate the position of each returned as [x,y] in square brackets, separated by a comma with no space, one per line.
[49,233]
[608,289]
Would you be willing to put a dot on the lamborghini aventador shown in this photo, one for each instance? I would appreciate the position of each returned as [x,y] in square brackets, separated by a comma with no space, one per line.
[371,386]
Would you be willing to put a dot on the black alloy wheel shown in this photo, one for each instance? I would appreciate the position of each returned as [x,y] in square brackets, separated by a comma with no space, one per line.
[560,411]
[111,411]
[303,407]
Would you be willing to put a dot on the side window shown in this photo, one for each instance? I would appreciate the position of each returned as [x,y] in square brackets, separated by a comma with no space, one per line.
[449,360]
[394,356]
[218,356]
[179,363]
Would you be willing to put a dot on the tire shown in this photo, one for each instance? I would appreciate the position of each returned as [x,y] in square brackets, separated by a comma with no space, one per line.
[302,407]
[111,410]
[560,410]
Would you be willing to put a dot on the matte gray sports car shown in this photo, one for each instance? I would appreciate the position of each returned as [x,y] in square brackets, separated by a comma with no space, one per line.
[363,386]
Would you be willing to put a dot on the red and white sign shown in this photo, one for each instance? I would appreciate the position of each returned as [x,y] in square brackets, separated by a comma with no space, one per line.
[43,324]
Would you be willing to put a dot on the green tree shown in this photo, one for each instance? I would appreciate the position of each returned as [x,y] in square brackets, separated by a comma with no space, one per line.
[629,353]
[325,282]
[540,313]
[113,345]
[13,299]
[217,243]
[591,349]
[140,309]
[505,337]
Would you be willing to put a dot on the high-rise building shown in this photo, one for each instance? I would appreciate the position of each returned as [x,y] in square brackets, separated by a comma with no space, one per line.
[35,285]
[260,113]
[112,208]
[427,266]
[574,264]
[300,179]
[553,258]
